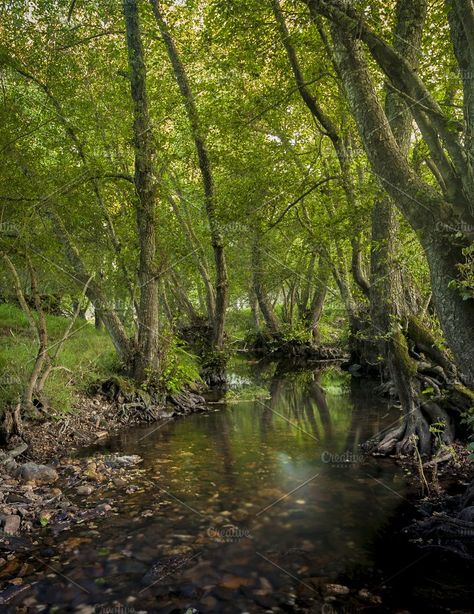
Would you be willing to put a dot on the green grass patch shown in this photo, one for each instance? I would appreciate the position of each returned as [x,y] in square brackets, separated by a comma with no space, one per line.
[87,355]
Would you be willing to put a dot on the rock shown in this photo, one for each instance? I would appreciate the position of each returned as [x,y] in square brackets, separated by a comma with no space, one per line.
[234,582]
[337,589]
[41,474]
[467,514]
[365,594]
[14,497]
[84,490]
[12,524]
[104,507]
[119,482]
[123,461]
[11,467]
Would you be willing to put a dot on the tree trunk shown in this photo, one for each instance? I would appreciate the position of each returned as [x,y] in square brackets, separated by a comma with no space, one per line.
[455,313]
[253,302]
[146,358]
[319,296]
[425,210]
[264,303]
[198,254]
[221,293]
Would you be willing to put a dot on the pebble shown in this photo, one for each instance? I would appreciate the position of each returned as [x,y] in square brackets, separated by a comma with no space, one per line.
[12,524]
[84,490]
[104,507]
[337,589]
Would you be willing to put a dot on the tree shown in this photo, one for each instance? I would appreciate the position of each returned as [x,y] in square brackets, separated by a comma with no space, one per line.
[429,211]
[217,314]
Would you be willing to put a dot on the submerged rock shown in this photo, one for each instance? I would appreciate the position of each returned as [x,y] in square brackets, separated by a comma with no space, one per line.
[123,461]
[337,589]
[365,594]
[85,490]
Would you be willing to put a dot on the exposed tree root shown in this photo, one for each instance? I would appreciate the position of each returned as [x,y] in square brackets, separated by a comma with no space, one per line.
[135,405]
[277,346]
[414,431]
[424,380]
[450,530]
[12,424]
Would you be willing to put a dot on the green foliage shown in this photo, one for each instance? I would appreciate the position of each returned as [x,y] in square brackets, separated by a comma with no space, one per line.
[246,393]
[335,381]
[66,117]
[438,427]
[179,369]
[465,283]
[468,420]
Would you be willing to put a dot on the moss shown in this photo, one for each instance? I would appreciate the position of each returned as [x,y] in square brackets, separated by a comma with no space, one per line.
[125,384]
[464,391]
[400,351]
[420,334]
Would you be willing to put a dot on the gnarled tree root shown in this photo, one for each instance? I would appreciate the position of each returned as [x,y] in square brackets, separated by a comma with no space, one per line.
[135,405]
[12,424]
[426,426]
[451,532]
[402,440]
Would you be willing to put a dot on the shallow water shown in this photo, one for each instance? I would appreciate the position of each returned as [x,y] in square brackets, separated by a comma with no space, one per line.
[255,506]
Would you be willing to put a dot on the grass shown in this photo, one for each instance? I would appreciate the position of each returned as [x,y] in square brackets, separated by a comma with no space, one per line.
[87,355]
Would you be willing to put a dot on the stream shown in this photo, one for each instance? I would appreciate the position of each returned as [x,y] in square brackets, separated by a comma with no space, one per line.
[263,504]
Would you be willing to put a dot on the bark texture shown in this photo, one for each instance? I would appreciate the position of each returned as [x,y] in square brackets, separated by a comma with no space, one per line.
[146,359]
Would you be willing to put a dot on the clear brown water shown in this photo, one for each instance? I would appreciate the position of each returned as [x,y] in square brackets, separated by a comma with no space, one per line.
[251,507]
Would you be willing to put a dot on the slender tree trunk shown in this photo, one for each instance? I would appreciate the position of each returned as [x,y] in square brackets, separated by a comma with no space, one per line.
[319,296]
[80,151]
[264,303]
[79,273]
[221,293]
[147,353]
[253,302]
[199,256]
[331,130]
[94,292]
[97,320]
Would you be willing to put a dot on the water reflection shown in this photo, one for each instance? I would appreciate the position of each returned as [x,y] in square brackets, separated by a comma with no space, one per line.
[247,508]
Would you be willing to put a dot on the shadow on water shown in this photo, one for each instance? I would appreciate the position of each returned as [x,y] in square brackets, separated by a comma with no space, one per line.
[256,506]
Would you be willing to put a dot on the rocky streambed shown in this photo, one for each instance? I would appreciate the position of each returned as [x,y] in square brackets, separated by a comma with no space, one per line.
[44,483]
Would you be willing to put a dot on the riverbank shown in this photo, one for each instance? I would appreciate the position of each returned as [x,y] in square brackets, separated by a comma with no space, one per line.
[44,483]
